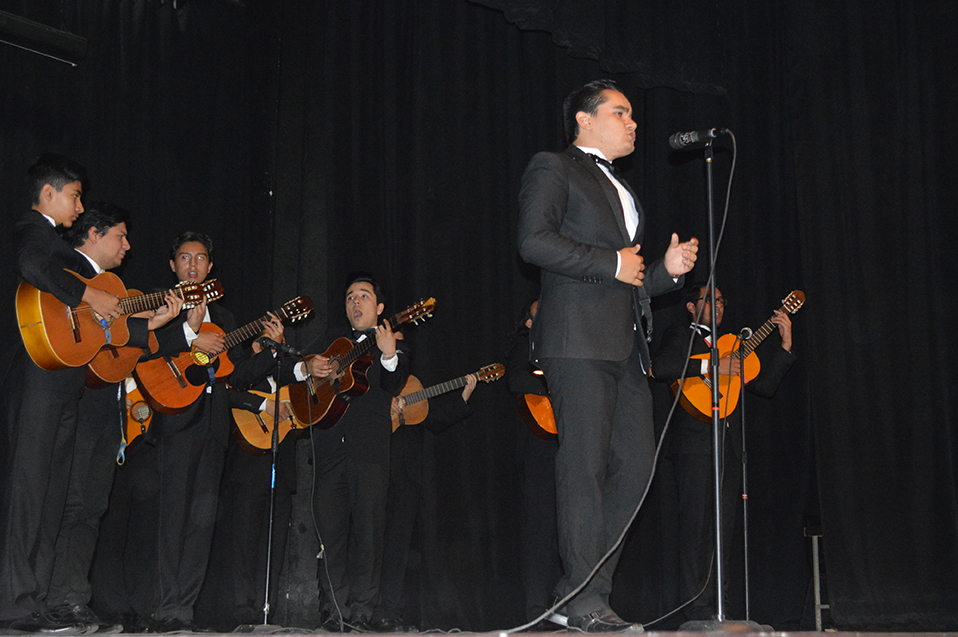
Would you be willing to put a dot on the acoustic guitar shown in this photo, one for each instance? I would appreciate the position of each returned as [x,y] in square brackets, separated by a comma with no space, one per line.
[537,413]
[696,391]
[138,416]
[254,431]
[112,364]
[323,401]
[415,399]
[58,336]
[172,383]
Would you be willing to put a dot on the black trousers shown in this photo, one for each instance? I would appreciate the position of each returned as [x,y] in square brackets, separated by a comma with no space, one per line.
[695,481]
[349,506]
[540,565]
[603,414]
[402,511]
[91,479]
[38,430]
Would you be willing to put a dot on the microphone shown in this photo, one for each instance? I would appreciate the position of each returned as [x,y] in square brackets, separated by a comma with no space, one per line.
[679,141]
[268,343]
[745,333]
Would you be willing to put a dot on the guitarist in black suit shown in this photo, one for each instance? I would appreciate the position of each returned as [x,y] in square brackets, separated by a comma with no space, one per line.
[167,492]
[536,450]
[689,441]
[100,235]
[39,414]
[351,461]
[583,226]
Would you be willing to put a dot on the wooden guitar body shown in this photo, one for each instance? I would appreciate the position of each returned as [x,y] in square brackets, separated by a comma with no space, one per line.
[138,417]
[696,395]
[254,431]
[323,401]
[172,383]
[537,413]
[57,336]
[413,413]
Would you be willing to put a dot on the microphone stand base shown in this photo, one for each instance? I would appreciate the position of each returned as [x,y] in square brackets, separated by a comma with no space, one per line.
[724,625]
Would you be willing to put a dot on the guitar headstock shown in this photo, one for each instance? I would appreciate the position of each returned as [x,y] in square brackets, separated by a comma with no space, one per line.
[793,301]
[492,372]
[194,293]
[296,309]
[417,312]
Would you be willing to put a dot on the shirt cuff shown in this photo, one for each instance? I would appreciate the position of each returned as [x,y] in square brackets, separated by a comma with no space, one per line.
[189,333]
[390,364]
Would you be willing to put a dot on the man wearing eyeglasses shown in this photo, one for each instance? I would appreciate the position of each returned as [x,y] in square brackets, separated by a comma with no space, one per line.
[689,444]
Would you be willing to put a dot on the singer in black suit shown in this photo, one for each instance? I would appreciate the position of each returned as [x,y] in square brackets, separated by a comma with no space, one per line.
[583,227]
[689,442]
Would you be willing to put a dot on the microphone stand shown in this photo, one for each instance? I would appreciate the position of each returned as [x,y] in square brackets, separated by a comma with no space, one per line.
[748,614]
[272,483]
[719,623]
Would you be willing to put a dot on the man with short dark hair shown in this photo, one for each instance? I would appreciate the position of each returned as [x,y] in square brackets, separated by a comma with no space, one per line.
[352,466]
[689,441]
[100,235]
[583,225]
[40,406]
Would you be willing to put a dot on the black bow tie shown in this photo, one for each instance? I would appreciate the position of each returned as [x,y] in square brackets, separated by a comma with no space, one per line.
[603,162]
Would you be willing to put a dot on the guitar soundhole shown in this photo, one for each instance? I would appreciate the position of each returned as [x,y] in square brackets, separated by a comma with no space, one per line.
[201,358]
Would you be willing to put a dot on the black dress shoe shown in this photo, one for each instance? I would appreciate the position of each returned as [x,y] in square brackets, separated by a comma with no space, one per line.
[332,625]
[44,621]
[360,624]
[170,625]
[83,615]
[389,625]
[603,621]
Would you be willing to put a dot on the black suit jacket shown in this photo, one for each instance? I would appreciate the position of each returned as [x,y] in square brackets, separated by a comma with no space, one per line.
[571,224]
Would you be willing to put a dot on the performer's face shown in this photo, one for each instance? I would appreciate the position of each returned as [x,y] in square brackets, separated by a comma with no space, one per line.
[109,249]
[362,307]
[703,305]
[611,129]
[191,262]
[63,205]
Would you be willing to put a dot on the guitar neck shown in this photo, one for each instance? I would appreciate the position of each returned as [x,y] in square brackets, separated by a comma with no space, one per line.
[144,302]
[753,341]
[435,390]
[249,330]
[362,348]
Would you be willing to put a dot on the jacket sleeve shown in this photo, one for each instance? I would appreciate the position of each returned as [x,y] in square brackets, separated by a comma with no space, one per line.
[544,199]
[672,358]
[37,264]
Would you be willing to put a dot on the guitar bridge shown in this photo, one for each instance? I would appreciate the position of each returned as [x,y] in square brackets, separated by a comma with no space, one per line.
[175,371]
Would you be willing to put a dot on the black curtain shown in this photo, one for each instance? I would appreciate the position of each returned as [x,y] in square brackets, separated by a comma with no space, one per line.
[314,139]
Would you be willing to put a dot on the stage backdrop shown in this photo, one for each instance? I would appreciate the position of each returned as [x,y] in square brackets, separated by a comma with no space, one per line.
[314,139]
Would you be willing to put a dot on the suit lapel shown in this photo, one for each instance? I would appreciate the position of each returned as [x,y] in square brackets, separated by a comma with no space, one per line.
[610,191]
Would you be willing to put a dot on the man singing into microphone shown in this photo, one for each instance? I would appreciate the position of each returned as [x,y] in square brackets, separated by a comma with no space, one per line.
[582,225]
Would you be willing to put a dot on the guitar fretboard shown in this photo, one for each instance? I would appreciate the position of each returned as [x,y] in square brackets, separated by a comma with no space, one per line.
[435,390]
[756,338]
[144,302]
[249,330]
